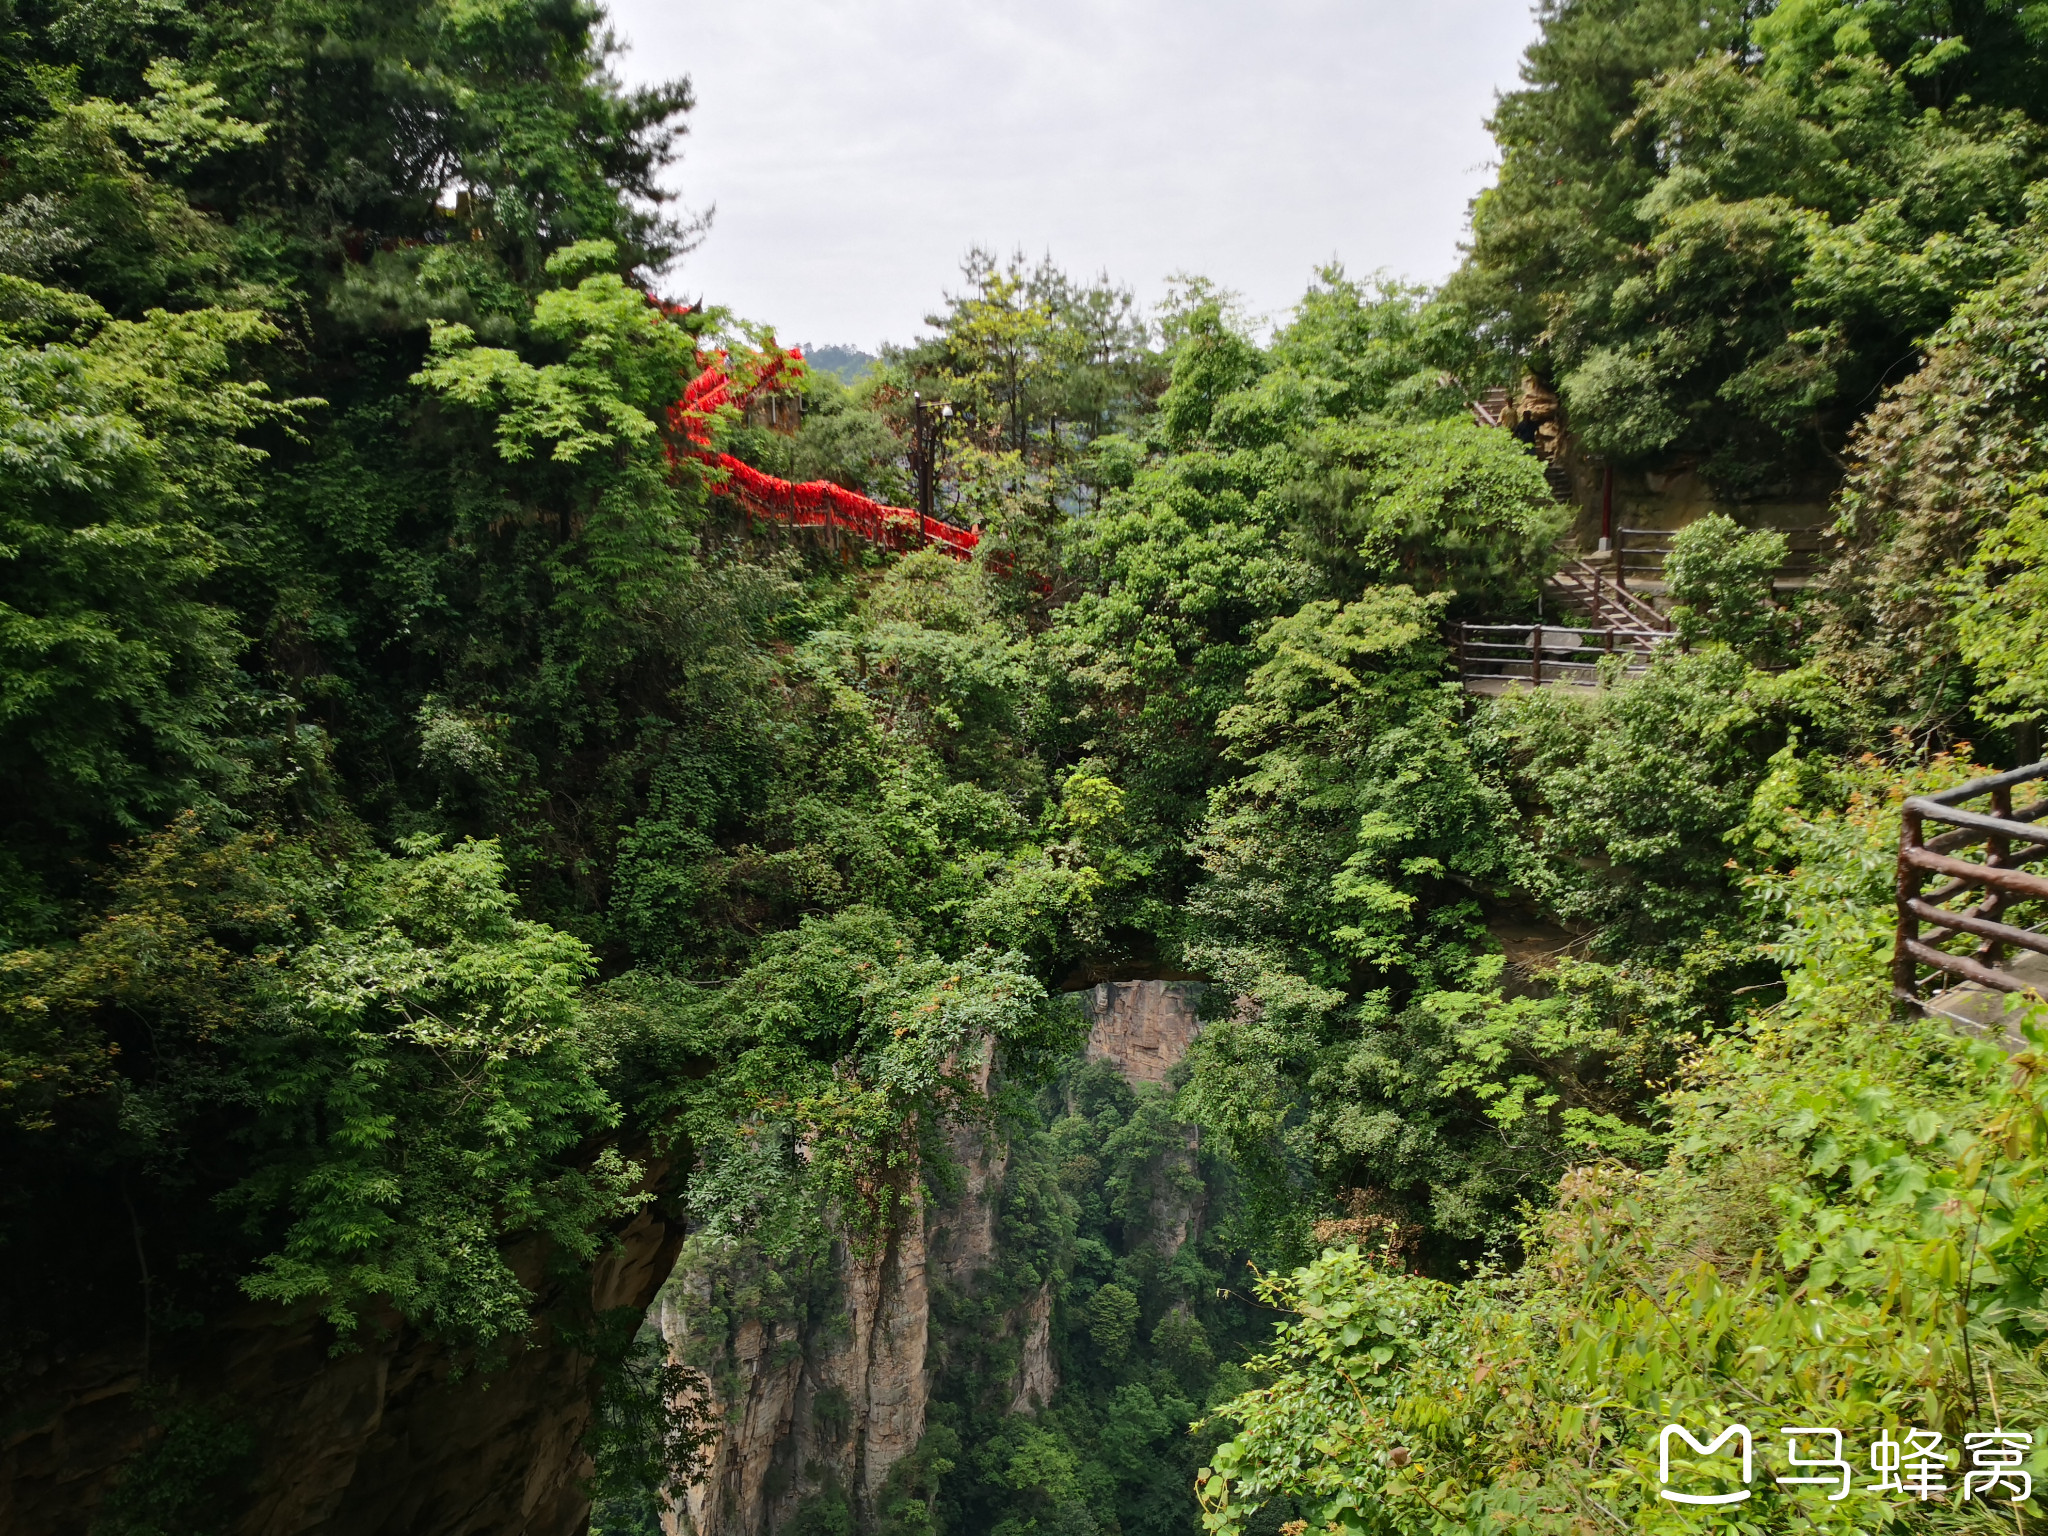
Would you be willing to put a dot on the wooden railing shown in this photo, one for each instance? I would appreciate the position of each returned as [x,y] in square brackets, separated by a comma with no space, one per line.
[1991,887]
[1541,654]
[1589,588]
[1640,553]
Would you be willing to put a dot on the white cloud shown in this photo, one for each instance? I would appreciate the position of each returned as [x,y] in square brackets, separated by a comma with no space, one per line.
[856,148]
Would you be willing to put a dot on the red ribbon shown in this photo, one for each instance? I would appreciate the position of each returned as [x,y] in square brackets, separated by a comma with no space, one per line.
[810,503]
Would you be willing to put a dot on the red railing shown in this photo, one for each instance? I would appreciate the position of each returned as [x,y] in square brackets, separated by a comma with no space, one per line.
[821,504]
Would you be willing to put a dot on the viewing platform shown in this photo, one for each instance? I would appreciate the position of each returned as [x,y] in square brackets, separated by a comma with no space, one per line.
[1492,658]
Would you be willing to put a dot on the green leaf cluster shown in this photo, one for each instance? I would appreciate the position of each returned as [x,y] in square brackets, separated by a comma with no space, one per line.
[1841,1235]
[1722,229]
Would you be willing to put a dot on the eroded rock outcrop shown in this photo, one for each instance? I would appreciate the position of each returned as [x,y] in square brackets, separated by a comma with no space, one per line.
[1145,1027]
[1037,1373]
[820,1368]
[817,1385]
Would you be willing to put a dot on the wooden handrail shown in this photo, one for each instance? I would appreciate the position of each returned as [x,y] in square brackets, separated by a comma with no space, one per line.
[1963,922]
[1579,577]
[2010,881]
[1643,551]
[1997,881]
[1537,654]
[1965,967]
[1994,826]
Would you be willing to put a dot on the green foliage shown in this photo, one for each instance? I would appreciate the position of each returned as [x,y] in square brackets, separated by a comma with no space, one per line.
[1943,462]
[1842,1236]
[1351,869]
[190,1481]
[1259,498]
[1109,1221]
[391,104]
[1384,349]
[404,1062]
[1721,229]
[1720,582]
[911,1494]
[1359,802]
[182,120]
[1999,627]
[648,1432]
[542,843]
[1212,362]
[1447,506]
[1640,786]
[853,1050]
[125,453]
[430,996]
[1113,1321]
[1036,366]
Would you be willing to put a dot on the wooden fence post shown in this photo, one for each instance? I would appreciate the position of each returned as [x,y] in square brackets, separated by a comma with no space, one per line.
[1905,975]
[1536,657]
[1997,853]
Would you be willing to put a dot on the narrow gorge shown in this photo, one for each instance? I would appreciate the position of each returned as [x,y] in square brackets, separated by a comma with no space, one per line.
[1124,905]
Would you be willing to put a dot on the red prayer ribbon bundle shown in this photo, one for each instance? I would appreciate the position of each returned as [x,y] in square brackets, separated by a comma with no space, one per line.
[805,504]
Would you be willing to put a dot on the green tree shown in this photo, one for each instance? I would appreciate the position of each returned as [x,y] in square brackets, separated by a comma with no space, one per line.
[1719,577]
[1113,1321]
[1999,628]
[1721,232]
[1389,1400]
[1941,462]
[129,452]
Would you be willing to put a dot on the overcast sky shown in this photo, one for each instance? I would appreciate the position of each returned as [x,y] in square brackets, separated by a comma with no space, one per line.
[855,149]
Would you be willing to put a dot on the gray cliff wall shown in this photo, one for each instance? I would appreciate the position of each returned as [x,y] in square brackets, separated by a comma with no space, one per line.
[826,1386]
[804,1402]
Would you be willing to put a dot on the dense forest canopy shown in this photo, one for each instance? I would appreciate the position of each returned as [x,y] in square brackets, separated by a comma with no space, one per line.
[437,817]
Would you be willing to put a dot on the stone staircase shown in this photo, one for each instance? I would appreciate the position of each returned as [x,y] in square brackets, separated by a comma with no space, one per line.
[1488,409]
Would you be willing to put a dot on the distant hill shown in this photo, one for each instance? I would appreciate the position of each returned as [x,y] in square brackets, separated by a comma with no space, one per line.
[848,363]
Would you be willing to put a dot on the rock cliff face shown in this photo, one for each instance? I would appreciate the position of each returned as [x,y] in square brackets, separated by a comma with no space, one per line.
[803,1406]
[828,1393]
[1145,1027]
[387,1440]
[1038,1374]
[821,1380]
